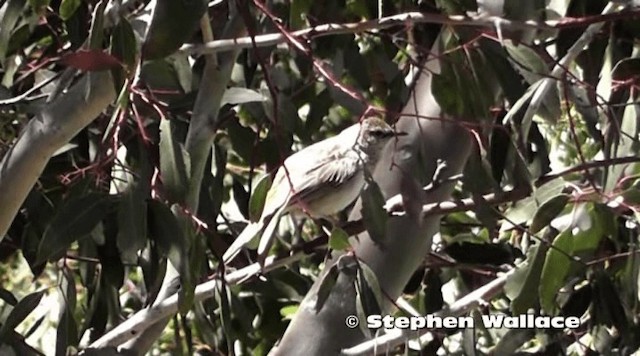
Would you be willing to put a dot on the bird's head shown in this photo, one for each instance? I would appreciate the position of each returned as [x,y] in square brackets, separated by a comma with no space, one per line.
[374,134]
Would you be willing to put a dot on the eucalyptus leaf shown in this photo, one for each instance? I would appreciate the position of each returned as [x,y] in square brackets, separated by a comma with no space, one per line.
[237,95]
[339,240]
[548,211]
[24,307]
[326,285]
[74,220]
[259,197]
[175,164]
[373,213]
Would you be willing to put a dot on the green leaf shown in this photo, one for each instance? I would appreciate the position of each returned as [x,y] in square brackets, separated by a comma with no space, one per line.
[24,307]
[287,312]
[123,47]
[522,286]
[259,197]
[75,219]
[525,209]
[368,294]
[8,297]
[68,8]
[237,95]
[339,240]
[326,285]
[555,270]
[225,311]
[10,18]
[166,231]
[173,23]
[123,43]
[608,308]
[628,143]
[298,12]
[175,164]
[373,214]
[96,31]
[548,211]
[528,63]
[67,330]
[580,239]
[132,220]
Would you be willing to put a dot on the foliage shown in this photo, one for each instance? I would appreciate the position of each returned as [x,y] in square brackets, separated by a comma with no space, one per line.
[116,204]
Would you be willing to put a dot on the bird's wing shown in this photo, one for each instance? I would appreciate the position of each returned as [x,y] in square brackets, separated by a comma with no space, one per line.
[300,169]
[326,176]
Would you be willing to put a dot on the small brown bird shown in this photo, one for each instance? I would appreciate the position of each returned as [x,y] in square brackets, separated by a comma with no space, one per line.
[319,181]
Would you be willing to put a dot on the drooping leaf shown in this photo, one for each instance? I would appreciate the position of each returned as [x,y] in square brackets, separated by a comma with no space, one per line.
[9,19]
[237,95]
[241,197]
[96,31]
[166,231]
[132,217]
[24,307]
[525,209]
[555,269]
[172,24]
[175,164]
[67,331]
[522,286]
[326,285]
[259,197]
[628,143]
[368,294]
[548,211]
[124,48]
[68,8]
[373,213]
[8,297]
[123,43]
[608,308]
[225,311]
[74,220]
[580,239]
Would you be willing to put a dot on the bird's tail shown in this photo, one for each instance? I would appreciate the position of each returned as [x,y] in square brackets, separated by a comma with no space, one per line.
[246,237]
[265,228]
[268,236]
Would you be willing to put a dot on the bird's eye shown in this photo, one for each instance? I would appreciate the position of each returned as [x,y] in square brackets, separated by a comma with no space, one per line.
[381,133]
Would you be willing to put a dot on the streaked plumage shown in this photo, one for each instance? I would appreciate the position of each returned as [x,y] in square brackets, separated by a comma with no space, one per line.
[320,180]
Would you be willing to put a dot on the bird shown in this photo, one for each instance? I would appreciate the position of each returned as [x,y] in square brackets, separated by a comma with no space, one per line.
[318,181]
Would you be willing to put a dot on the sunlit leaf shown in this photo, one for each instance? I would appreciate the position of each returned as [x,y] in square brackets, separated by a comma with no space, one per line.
[19,312]
[258,197]
[339,240]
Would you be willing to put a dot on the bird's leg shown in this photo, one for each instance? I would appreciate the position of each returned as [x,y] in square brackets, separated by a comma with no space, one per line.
[328,223]
[298,224]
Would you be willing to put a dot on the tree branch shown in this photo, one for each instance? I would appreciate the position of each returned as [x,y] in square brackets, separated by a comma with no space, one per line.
[272,39]
[52,128]
[462,306]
